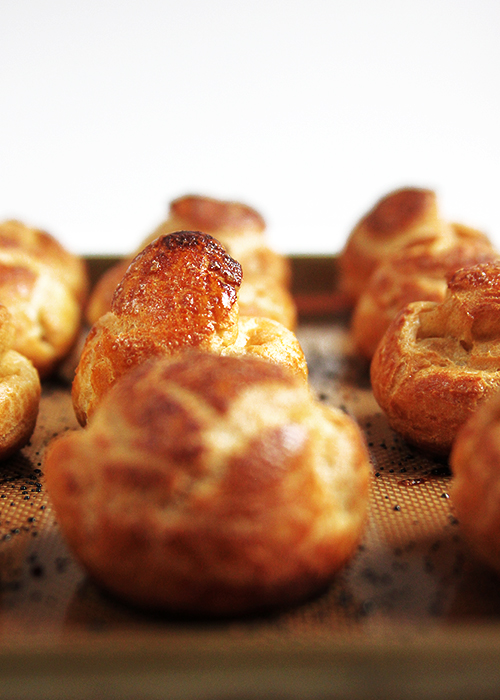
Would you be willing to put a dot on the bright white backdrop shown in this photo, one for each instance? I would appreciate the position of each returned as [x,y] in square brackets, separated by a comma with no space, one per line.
[308,110]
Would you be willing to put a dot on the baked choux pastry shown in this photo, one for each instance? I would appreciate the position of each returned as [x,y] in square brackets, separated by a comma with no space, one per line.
[438,361]
[20,392]
[400,218]
[211,485]
[180,292]
[265,288]
[475,464]
[417,273]
[44,288]
[70,269]
[240,229]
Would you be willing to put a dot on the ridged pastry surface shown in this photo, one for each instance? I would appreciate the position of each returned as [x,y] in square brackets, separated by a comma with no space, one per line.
[211,485]
[185,278]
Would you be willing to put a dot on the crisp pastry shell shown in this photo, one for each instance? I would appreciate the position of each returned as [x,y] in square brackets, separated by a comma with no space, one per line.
[44,287]
[437,362]
[179,293]
[397,220]
[211,485]
[265,287]
[419,272]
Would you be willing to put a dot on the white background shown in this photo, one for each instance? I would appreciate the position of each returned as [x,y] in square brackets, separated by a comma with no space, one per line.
[307,110]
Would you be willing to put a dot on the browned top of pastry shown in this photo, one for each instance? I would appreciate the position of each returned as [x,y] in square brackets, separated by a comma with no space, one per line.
[215,215]
[397,220]
[180,292]
[240,229]
[398,211]
[478,282]
[185,283]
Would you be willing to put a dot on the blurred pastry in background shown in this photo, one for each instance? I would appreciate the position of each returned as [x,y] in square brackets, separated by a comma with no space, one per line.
[239,227]
[211,485]
[475,464]
[44,287]
[20,391]
[400,218]
[179,293]
[265,288]
[438,361]
[419,272]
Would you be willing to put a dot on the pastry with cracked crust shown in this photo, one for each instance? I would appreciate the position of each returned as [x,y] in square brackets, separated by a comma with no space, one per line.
[397,220]
[475,465]
[20,392]
[239,227]
[44,287]
[418,273]
[180,292]
[265,288]
[438,361]
[211,485]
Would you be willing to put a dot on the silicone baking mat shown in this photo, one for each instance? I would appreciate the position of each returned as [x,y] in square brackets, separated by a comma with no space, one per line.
[412,615]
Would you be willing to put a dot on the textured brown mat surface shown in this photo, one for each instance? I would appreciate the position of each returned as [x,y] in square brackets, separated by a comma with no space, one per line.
[412,563]
[413,588]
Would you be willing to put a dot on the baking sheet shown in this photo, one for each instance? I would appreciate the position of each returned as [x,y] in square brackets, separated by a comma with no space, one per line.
[412,616]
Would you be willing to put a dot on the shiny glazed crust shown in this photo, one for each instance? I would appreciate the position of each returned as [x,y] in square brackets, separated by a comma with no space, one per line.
[213,485]
[265,288]
[180,292]
[44,287]
[438,361]
[397,220]
[417,273]
[239,228]
[19,392]
[475,463]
